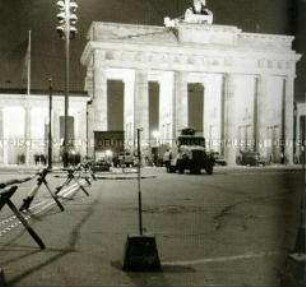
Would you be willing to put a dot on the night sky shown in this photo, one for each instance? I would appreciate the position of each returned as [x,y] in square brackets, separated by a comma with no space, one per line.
[18,16]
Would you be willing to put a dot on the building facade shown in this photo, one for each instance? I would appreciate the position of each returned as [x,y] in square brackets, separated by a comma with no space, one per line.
[24,123]
[300,131]
[243,82]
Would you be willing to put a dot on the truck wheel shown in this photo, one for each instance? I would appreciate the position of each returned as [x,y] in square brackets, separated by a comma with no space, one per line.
[171,169]
[181,169]
[209,169]
[180,166]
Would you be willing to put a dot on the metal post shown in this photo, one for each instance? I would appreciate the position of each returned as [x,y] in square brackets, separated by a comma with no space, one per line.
[139,188]
[255,117]
[50,126]
[29,63]
[87,137]
[294,128]
[88,103]
[283,131]
[67,39]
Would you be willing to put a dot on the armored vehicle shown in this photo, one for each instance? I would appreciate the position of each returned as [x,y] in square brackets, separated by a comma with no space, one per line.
[189,154]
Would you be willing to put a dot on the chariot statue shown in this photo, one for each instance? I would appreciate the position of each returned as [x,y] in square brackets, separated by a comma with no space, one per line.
[198,13]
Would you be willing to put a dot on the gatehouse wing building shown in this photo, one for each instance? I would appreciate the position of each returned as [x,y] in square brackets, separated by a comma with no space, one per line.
[234,88]
[24,121]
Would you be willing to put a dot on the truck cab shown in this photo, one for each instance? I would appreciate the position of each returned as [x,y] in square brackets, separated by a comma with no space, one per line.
[190,154]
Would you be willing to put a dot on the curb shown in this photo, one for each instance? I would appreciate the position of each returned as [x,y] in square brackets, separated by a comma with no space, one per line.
[125,177]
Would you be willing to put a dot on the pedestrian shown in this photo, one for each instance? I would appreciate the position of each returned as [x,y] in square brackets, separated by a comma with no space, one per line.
[167,159]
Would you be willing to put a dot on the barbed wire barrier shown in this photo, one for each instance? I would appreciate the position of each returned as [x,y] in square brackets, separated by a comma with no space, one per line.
[71,175]
[41,180]
[75,174]
[28,209]
[22,216]
[87,168]
[8,224]
[5,195]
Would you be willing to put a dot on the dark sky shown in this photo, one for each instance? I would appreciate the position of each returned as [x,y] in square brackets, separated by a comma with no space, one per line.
[18,16]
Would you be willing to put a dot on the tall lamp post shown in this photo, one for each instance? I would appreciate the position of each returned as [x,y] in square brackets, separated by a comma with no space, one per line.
[50,126]
[66,29]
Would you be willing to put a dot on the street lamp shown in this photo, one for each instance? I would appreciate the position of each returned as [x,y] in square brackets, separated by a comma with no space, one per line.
[50,126]
[66,29]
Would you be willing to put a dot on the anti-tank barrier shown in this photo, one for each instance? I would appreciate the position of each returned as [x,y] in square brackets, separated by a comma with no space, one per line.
[9,187]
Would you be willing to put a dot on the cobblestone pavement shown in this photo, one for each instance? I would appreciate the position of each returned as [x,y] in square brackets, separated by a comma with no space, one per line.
[235,227]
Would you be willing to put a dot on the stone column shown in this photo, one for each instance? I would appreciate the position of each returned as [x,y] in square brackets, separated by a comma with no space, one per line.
[173,111]
[289,94]
[223,115]
[90,135]
[129,112]
[213,111]
[166,102]
[100,121]
[181,85]
[80,128]
[230,130]
[256,115]
[142,105]
[261,126]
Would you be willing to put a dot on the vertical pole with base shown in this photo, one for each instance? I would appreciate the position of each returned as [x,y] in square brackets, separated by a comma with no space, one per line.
[139,186]
[140,250]
[50,127]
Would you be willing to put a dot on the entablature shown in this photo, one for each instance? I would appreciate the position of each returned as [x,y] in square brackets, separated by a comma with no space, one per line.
[119,55]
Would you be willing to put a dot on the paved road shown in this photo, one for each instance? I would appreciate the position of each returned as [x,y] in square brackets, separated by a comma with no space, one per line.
[232,228]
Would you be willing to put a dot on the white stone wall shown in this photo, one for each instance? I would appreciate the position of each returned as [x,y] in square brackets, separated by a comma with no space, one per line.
[301,111]
[23,125]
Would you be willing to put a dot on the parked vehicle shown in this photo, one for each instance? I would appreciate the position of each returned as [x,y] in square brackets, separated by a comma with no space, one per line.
[128,159]
[101,165]
[124,159]
[251,158]
[190,154]
[219,159]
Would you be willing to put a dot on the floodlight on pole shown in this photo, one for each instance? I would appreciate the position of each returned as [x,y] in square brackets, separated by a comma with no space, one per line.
[66,30]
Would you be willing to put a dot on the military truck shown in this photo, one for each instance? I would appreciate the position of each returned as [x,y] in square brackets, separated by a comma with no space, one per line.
[189,154]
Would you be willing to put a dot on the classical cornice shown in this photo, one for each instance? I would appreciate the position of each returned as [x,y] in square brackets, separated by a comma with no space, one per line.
[248,53]
[191,57]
